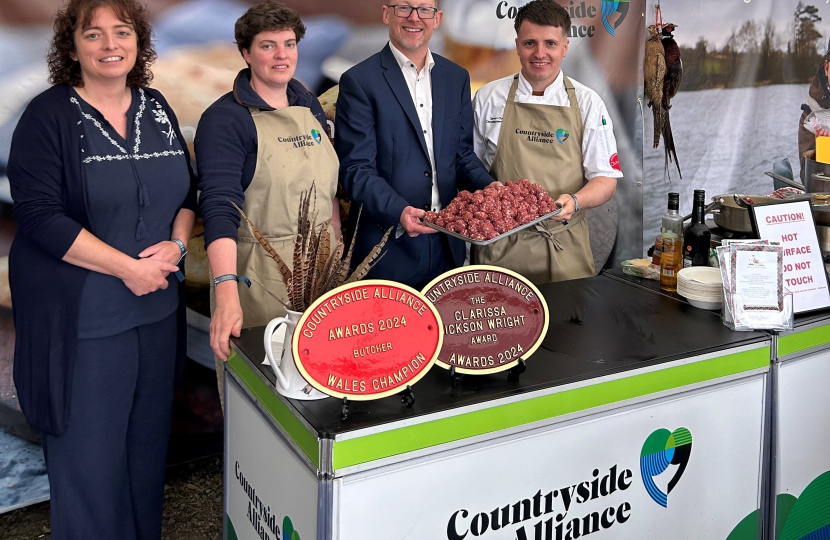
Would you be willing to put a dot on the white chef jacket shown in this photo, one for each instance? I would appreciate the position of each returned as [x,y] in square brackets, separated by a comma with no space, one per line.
[420,88]
[599,147]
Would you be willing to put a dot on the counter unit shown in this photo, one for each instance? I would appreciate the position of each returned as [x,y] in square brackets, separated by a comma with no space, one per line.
[638,414]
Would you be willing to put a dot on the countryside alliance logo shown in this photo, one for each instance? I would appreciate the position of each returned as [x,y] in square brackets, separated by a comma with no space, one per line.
[299,141]
[259,514]
[546,136]
[612,12]
[317,137]
[661,449]
[609,8]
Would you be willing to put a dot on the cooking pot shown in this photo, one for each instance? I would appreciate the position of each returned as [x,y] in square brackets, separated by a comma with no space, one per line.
[811,168]
[728,215]
[820,205]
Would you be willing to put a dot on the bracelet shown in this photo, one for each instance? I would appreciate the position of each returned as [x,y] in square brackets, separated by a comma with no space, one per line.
[181,245]
[183,250]
[576,202]
[231,277]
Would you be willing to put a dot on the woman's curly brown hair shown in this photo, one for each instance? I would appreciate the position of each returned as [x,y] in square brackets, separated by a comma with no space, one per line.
[78,14]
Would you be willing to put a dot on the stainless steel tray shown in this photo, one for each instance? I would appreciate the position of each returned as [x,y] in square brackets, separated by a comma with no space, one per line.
[499,237]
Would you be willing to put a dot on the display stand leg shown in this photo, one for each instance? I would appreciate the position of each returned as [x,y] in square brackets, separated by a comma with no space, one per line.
[454,377]
[408,397]
[344,414]
[514,372]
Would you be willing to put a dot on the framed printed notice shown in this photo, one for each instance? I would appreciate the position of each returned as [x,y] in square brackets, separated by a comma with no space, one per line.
[791,225]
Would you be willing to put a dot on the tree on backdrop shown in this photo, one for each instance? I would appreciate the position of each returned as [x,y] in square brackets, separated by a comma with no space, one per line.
[806,39]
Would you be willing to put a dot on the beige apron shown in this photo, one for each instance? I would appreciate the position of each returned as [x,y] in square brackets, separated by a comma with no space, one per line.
[548,251]
[292,151]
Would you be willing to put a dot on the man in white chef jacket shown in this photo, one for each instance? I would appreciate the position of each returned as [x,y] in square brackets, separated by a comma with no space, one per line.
[541,125]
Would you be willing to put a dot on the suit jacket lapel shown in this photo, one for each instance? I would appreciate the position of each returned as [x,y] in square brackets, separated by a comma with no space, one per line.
[438,86]
[396,81]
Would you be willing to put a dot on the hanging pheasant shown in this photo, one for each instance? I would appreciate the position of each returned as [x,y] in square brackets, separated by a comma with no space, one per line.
[655,71]
[671,84]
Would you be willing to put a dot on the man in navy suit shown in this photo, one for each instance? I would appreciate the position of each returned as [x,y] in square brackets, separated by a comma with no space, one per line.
[404,136]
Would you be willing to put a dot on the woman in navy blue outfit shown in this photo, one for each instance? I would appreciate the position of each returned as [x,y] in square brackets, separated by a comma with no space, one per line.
[104,197]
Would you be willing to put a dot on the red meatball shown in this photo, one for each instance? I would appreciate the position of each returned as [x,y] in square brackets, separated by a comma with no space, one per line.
[501,226]
[478,197]
[490,192]
[466,215]
[524,218]
[490,208]
[460,225]
[480,215]
[430,216]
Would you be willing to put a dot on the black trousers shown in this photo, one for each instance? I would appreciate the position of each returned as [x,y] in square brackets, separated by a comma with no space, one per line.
[106,471]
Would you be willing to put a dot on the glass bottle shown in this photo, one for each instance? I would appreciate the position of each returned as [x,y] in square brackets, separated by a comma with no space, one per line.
[697,238]
[672,233]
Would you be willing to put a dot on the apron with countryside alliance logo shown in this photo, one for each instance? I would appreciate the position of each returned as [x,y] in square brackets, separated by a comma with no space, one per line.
[542,143]
[292,151]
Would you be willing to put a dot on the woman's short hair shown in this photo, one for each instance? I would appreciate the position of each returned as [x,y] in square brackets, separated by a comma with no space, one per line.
[78,15]
[268,16]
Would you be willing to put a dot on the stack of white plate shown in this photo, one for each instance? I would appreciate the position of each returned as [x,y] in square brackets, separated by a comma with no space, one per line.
[702,286]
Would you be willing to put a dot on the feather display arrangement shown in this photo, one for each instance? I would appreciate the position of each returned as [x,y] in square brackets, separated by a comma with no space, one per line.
[316,267]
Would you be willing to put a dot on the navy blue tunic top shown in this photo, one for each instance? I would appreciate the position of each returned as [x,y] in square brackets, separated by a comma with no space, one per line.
[48,184]
[135,188]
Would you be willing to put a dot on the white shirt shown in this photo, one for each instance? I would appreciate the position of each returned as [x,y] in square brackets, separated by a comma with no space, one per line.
[599,147]
[420,88]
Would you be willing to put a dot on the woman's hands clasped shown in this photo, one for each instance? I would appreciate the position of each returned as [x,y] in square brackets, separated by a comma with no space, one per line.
[166,251]
[149,273]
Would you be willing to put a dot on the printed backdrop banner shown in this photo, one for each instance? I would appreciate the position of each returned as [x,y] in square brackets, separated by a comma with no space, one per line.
[605,53]
[748,67]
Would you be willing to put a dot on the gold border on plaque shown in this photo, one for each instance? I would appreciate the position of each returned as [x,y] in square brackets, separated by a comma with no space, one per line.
[488,268]
[356,285]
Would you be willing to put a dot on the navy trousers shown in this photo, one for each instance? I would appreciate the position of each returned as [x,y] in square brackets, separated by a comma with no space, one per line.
[106,471]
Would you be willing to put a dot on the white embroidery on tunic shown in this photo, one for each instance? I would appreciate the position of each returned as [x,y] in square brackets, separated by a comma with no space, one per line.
[98,125]
[118,157]
[138,116]
[160,117]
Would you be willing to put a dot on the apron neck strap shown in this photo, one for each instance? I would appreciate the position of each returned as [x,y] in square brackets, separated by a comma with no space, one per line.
[512,93]
[569,86]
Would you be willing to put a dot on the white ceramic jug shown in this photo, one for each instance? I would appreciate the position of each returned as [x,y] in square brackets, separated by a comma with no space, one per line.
[289,381]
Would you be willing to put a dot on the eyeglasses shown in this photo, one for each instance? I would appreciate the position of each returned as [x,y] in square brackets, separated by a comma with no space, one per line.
[404,11]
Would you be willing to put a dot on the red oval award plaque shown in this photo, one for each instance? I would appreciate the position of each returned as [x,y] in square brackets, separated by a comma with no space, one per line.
[367,340]
[492,318]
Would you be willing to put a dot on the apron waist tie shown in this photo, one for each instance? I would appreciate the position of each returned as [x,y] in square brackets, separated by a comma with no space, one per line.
[551,238]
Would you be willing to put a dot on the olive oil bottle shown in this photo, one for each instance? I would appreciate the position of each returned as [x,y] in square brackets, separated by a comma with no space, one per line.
[672,232]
